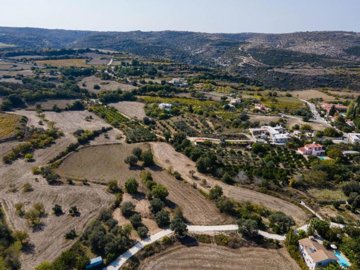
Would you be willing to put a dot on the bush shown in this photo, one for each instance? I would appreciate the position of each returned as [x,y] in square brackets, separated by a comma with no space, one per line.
[127,209]
[148,158]
[178,226]
[137,152]
[135,220]
[71,235]
[215,193]
[159,191]
[142,232]
[131,160]
[113,187]
[162,218]
[57,210]
[248,228]
[280,223]
[131,186]
[156,205]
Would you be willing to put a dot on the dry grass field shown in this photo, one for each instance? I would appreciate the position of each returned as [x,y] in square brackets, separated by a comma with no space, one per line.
[100,163]
[131,109]
[49,104]
[310,94]
[90,82]
[8,124]
[63,63]
[166,156]
[213,257]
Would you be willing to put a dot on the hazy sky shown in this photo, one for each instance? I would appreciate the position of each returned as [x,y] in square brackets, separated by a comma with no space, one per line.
[270,16]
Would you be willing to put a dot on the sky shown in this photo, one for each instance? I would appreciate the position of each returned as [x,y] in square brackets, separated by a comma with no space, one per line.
[213,16]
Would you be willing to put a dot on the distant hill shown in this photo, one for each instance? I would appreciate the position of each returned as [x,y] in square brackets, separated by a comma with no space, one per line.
[271,56]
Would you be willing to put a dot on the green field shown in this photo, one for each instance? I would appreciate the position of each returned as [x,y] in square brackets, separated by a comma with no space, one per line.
[284,103]
[182,101]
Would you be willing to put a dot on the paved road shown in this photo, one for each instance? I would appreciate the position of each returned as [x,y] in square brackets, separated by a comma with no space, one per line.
[122,259]
[316,114]
[218,141]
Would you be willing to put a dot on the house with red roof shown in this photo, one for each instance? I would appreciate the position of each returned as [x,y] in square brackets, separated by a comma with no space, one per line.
[313,149]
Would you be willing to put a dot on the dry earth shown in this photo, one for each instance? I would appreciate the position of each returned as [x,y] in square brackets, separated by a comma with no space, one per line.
[166,156]
[219,258]
[49,104]
[131,109]
[90,82]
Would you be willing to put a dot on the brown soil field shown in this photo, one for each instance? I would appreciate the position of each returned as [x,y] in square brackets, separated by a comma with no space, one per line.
[213,257]
[64,63]
[49,104]
[166,156]
[106,162]
[100,163]
[49,241]
[131,109]
[311,93]
[104,85]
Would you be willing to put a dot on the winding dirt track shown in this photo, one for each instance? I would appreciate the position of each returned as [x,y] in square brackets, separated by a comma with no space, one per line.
[166,156]
[206,257]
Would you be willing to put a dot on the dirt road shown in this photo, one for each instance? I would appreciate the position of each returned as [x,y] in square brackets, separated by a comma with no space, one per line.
[166,156]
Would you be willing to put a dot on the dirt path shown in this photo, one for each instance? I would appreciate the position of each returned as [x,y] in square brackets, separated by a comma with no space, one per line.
[213,257]
[166,156]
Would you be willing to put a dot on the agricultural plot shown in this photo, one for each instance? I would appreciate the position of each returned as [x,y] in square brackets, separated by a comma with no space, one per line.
[135,131]
[105,85]
[8,125]
[284,104]
[212,257]
[130,109]
[49,104]
[64,63]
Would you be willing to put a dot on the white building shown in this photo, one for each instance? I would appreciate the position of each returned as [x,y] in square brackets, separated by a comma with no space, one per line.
[179,82]
[313,149]
[235,101]
[353,138]
[276,135]
[315,254]
[165,106]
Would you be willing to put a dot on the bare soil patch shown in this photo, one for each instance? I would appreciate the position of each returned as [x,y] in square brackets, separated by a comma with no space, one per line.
[220,258]
[166,156]
[131,109]
[90,82]
[49,104]
[310,94]
[100,163]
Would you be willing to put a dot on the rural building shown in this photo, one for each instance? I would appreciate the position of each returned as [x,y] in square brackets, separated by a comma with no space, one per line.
[261,107]
[165,106]
[315,254]
[179,82]
[313,149]
[94,263]
[276,135]
[235,101]
[353,138]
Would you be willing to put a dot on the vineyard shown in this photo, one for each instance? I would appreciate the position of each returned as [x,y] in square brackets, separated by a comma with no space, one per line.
[134,131]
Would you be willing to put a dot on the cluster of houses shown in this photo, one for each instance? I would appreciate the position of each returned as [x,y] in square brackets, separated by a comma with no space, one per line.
[275,135]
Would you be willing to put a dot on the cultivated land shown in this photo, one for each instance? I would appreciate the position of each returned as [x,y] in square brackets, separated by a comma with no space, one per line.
[167,157]
[64,63]
[104,163]
[8,124]
[130,109]
[105,85]
[220,258]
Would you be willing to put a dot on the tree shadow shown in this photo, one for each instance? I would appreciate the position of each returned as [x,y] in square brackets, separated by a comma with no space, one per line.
[188,241]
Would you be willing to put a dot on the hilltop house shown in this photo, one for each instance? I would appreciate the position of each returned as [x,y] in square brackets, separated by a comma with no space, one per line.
[315,254]
[353,138]
[276,135]
[165,106]
[313,149]
[179,82]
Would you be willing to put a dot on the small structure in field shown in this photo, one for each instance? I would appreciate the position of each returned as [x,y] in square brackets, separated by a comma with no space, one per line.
[179,82]
[315,254]
[95,263]
[313,149]
[261,107]
[337,107]
[165,106]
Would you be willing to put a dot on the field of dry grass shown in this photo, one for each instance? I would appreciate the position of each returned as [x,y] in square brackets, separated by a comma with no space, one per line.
[8,124]
[213,257]
[64,63]
[90,82]
[49,104]
[311,94]
[131,109]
